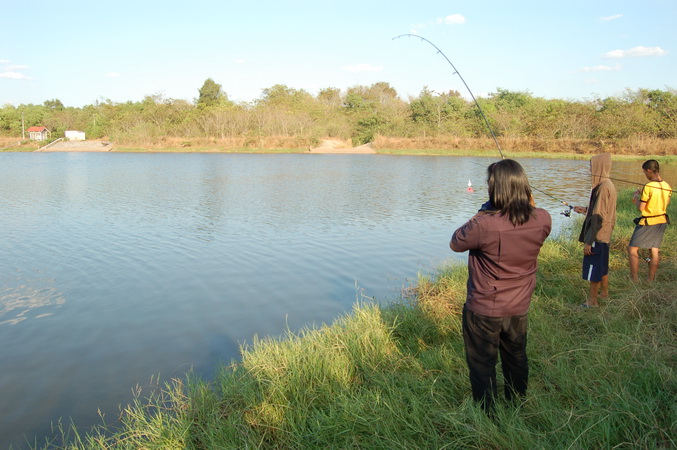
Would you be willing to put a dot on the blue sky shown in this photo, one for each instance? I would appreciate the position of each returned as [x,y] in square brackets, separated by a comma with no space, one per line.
[81,52]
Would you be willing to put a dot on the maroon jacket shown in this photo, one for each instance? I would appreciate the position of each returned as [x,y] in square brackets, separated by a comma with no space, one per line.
[502,261]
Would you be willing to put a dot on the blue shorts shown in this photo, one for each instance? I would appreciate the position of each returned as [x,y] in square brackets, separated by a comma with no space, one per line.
[595,266]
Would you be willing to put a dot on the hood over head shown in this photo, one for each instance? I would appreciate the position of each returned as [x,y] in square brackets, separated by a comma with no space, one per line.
[600,168]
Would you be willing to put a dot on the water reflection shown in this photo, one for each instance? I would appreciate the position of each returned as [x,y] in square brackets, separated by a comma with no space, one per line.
[22,302]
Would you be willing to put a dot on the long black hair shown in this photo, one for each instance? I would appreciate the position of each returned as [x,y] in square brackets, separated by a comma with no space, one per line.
[509,190]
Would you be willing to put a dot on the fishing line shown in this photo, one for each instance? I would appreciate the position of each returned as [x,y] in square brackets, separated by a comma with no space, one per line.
[566,213]
[637,184]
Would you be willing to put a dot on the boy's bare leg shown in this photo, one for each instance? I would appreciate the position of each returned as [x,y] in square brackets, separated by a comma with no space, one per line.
[653,264]
[633,260]
[605,287]
[592,297]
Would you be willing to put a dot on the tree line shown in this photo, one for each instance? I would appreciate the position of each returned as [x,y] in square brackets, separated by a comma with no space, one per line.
[358,114]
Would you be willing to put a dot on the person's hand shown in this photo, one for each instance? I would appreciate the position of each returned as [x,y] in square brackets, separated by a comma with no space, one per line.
[580,209]
[635,197]
[587,250]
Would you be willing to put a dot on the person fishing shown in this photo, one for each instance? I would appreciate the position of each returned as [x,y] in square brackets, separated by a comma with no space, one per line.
[503,240]
[652,201]
[600,219]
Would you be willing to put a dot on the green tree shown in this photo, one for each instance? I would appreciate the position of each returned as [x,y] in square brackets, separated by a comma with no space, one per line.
[511,112]
[625,117]
[34,115]
[286,98]
[438,113]
[54,104]
[330,96]
[211,94]
[286,111]
[10,120]
[663,106]
[375,110]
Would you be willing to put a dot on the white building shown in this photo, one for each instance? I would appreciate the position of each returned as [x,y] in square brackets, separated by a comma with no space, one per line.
[75,135]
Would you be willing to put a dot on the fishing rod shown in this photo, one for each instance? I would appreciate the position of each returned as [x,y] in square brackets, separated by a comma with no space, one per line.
[566,213]
[456,72]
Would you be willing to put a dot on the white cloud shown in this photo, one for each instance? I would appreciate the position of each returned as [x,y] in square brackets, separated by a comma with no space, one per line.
[239,61]
[363,68]
[13,71]
[608,18]
[453,19]
[14,75]
[635,52]
[112,75]
[600,68]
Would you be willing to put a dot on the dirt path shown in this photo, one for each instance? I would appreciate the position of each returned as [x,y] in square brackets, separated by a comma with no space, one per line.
[78,146]
[335,146]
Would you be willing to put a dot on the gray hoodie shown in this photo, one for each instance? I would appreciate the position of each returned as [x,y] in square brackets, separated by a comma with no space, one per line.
[601,217]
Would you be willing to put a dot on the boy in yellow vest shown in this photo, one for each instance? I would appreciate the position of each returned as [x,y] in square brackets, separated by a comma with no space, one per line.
[652,201]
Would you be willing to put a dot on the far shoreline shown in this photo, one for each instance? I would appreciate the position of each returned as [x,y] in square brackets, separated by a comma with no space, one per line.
[382,151]
[631,150]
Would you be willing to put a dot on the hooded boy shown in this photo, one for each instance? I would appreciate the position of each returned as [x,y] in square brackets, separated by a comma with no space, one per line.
[600,219]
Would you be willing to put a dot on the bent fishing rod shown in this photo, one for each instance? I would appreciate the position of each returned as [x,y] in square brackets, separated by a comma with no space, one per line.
[566,213]
[456,72]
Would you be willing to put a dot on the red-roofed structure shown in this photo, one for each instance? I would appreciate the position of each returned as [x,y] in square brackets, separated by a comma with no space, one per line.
[38,133]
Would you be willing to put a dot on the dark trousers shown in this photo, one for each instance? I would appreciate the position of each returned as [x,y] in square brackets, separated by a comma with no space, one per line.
[484,337]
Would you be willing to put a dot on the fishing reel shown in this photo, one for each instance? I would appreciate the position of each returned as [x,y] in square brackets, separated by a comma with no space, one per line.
[567,212]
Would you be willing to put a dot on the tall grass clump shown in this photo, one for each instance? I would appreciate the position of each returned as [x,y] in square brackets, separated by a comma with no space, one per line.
[395,377]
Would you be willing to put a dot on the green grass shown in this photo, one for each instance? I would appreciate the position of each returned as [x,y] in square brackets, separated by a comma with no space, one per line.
[395,377]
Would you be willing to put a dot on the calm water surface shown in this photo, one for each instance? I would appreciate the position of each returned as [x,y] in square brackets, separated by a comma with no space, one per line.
[119,268]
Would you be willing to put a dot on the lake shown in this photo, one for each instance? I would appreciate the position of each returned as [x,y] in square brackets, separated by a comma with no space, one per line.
[119,269]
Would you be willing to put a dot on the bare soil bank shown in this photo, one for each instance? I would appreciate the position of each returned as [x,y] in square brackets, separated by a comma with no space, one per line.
[78,146]
[381,144]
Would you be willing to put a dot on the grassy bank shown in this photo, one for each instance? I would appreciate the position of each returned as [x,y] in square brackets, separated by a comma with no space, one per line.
[493,153]
[580,148]
[395,377]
